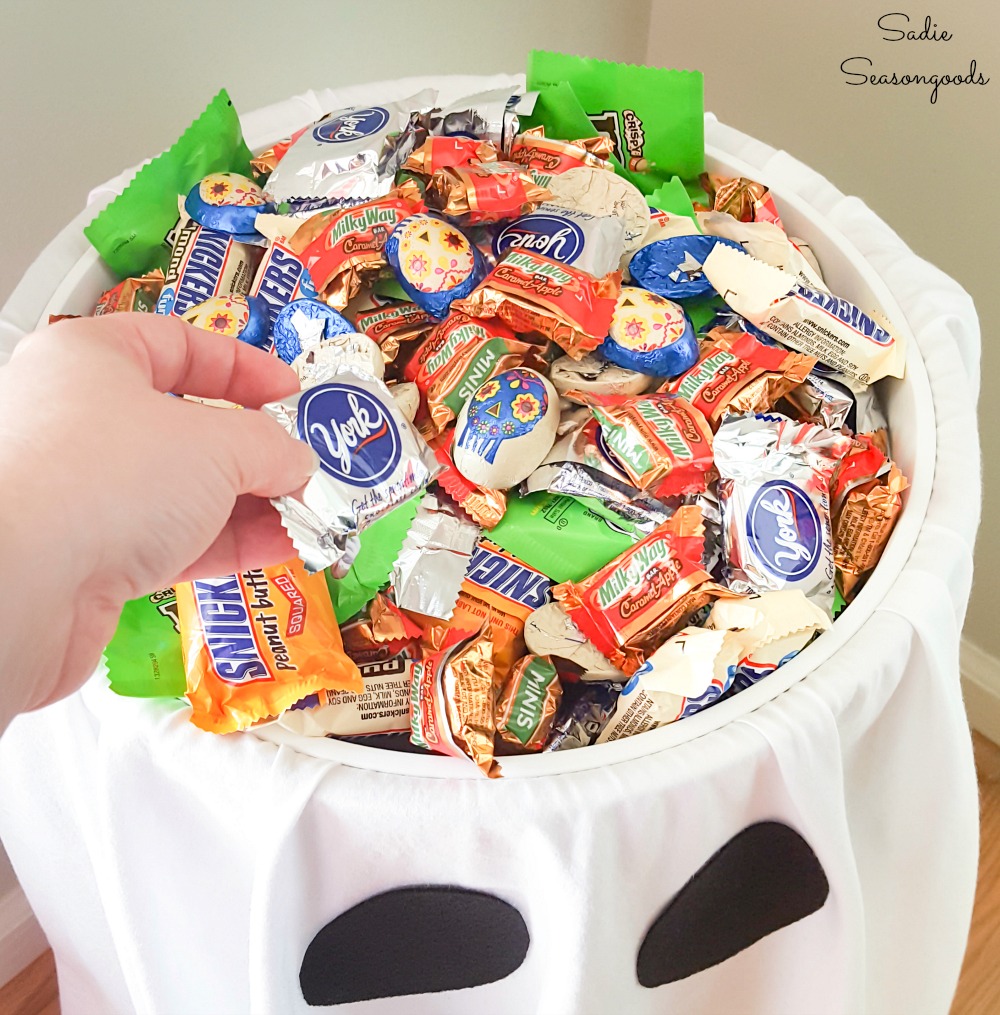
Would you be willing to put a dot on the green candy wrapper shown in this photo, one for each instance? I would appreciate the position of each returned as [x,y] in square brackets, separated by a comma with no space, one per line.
[130,233]
[144,656]
[673,197]
[650,113]
[380,546]
[559,535]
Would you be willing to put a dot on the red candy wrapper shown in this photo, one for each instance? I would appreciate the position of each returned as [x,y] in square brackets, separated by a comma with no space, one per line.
[483,192]
[448,152]
[536,295]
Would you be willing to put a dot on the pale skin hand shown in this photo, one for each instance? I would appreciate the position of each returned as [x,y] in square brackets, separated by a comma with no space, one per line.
[113,489]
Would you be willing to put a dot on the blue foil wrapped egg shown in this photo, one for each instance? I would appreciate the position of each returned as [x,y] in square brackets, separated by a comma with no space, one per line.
[435,262]
[302,324]
[672,267]
[228,203]
[650,334]
[242,317]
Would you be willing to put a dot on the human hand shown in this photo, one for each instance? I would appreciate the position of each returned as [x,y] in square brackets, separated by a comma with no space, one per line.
[117,489]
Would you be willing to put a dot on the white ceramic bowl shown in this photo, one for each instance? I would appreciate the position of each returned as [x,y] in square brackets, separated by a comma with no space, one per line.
[910,412]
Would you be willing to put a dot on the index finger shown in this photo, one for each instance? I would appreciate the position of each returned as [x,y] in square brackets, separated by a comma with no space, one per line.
[185,360]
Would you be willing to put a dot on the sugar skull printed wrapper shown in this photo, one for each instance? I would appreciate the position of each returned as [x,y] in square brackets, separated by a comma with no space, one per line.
[650,334]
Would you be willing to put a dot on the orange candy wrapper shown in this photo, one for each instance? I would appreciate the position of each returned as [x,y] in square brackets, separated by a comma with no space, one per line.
[546,156]
[133,295]
[483,192]
[392,327]
[257,642]
[534,294]
[446,152]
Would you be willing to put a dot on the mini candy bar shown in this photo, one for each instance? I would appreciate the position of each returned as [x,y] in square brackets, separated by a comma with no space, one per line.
[550,632]
[661,442]
[392,326]
[349,156]
[483,192]
[228,203]
[810,321]
[380,631]
[304,323]
[446,152]
[506,428]
[534,294]
[457,357]
[593,243]
[775,494]
[434,261]
[255,643]
[342,249]
[672,267]
[654,116]
[632,605]
[598,192]
[383,706]
[144,655]
[742,199]
[452,700]
[650,334]
[735,373]
[584,711]
[431,565]
[867,498]
[242,317]
[546,157]
[205,263]
[529,699]
[281,279]
[133,295]
[371,460]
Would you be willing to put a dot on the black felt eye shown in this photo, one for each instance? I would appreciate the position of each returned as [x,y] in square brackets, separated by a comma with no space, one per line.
[414,940]
[765,878]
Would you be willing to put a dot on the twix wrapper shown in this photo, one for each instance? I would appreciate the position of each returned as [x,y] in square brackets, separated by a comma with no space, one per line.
[483,192]
[633,604]
[452,700]
[133,295]
[736,373]
[534,294]
[340,250]
[257,642]
[660,441]
[866,499]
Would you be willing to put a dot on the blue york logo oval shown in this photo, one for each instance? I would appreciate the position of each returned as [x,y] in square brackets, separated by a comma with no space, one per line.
[351,125]
[549,235]
[784,530]
[353,434]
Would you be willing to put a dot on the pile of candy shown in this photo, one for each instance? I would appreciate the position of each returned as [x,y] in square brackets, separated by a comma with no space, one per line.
[593,456]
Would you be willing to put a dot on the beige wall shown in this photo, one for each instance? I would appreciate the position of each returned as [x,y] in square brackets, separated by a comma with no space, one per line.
[87,89]
[773,70]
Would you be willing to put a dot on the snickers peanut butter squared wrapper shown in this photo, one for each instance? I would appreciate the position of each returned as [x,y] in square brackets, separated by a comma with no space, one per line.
[808,320]
[371,460]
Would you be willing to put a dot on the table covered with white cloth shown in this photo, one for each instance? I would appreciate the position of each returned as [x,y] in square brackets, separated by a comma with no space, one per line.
[808,845]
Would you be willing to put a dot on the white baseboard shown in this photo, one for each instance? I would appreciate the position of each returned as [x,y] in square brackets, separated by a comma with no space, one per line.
[981,689]
[21,938]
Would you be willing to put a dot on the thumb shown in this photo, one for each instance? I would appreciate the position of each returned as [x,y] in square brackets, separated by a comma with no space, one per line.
[258,454]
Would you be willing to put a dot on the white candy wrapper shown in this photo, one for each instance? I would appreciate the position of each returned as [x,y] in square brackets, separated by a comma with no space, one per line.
[351,155]
[598,192]
[433,559]
[765,241]
[550,632]
[808,320]
[371,460]
[323,356]
[382,707]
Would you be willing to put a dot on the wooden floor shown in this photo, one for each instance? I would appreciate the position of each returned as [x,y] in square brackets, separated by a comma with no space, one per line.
[34,991]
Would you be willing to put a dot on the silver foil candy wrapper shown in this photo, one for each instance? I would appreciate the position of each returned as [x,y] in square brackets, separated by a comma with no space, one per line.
[351,155]
[433,559]
[371,460]
[492,116]
[774,489]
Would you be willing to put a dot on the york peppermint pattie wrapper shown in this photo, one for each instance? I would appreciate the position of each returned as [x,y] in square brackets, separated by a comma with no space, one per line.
[775,495]
[371,460]
[808,320]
